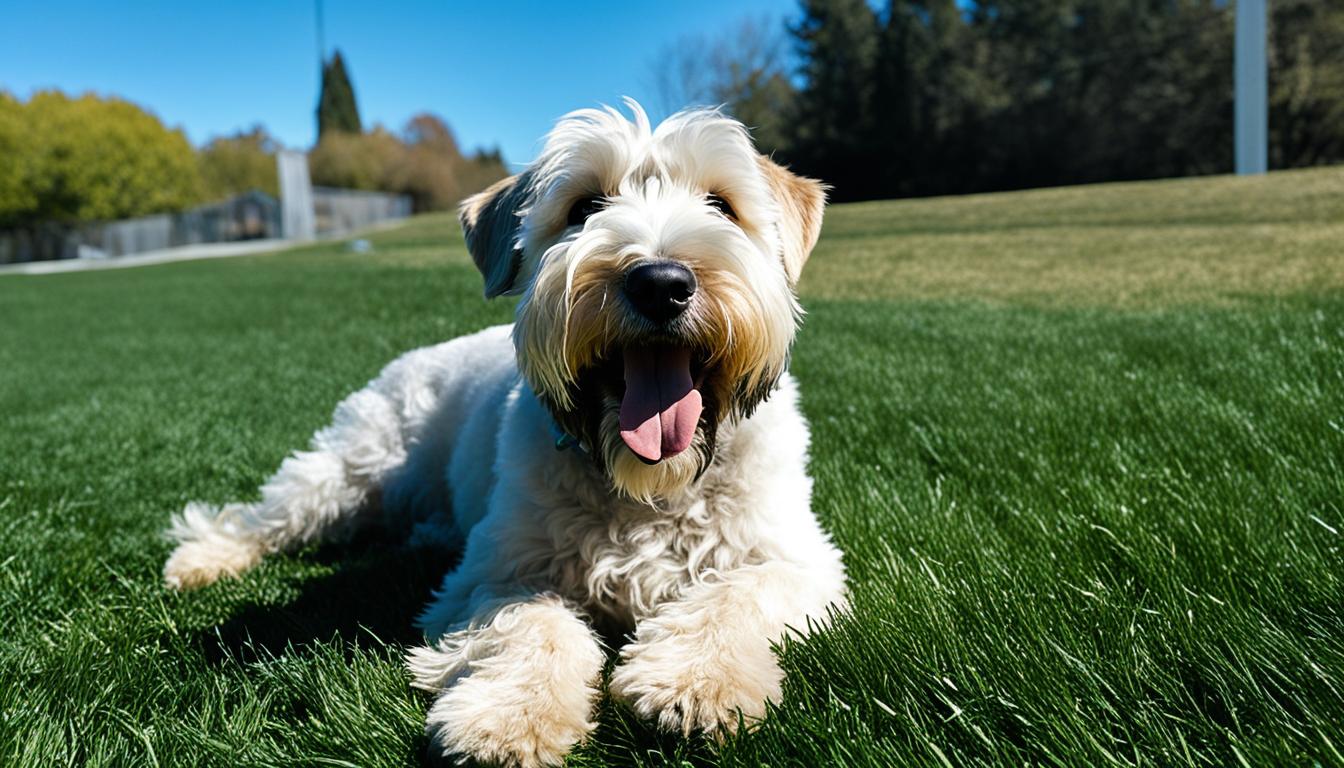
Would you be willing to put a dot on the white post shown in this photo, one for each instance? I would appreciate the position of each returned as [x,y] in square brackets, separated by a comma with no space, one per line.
[296,196]
[1252,120]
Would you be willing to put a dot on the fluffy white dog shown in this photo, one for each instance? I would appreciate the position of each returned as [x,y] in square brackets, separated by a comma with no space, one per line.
[657,270]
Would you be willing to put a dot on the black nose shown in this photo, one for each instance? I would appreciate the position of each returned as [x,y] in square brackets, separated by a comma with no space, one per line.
[660,290]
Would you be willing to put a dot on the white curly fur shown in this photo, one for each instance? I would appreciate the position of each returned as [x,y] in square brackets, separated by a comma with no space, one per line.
[705,566]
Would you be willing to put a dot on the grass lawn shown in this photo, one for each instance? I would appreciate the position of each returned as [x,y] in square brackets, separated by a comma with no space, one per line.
[1083,448]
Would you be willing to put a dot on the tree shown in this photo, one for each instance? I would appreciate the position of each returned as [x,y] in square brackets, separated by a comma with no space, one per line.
[430,167]
[17,197]
[1306,79]
[946,96]
[232,165]
[337,110]
[423,162]
[928,96]
[744,71]
[832,136]
[483,168]
[357,160]
[430,132]
[94,158]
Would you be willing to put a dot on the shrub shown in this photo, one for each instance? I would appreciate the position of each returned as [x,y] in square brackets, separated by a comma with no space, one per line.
[17,199]
[424,162]
[356,160]
[232,165]
[90,158]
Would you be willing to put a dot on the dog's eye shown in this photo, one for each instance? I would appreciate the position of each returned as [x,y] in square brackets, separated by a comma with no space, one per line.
[721,205]
[583,208]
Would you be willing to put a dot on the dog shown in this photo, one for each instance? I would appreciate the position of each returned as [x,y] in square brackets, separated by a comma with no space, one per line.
[627,460]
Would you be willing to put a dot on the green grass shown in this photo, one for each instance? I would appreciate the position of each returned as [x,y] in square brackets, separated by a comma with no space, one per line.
[1084,450]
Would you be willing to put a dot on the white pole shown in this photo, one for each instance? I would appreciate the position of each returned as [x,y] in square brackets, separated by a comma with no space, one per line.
[297,220]
[1252,120]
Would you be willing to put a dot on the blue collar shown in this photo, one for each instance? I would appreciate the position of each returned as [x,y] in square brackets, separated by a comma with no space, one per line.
[564,440]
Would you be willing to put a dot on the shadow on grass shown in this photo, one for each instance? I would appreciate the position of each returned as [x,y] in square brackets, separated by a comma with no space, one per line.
[622,738]
[378,587]
[375,587]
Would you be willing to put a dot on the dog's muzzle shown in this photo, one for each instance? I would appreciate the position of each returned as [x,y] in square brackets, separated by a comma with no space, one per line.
[661,406]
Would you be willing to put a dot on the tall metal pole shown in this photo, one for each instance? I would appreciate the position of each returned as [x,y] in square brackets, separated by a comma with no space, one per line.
[321,44]
[1252,119]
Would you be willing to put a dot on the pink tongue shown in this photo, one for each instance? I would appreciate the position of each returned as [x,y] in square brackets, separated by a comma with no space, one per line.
[661,406]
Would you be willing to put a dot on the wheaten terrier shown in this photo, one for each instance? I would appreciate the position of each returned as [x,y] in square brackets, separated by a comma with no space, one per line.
[627,460]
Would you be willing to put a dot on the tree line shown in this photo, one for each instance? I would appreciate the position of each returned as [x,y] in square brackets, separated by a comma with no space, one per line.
[927,97]
[423,160]
[89,158]
[77,159]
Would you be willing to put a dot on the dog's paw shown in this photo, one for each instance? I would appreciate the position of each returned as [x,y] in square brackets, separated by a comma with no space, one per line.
[706,680]
[494,722]
[517,689]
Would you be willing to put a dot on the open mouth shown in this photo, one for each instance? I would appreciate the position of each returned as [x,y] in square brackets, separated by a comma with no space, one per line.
[661,404]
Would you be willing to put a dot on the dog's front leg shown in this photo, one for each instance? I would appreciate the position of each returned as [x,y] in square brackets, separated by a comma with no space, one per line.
[516,686]
[699,661]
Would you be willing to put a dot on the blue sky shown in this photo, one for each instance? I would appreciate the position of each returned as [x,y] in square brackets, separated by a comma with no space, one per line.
[499,72]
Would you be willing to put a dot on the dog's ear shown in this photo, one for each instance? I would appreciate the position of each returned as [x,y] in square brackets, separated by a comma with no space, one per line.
[490,222]
[801,201]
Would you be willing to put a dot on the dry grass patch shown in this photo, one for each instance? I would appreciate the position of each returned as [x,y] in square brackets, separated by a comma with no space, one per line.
[1214,240]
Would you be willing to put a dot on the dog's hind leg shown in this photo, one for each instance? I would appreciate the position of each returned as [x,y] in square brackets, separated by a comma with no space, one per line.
[315,493]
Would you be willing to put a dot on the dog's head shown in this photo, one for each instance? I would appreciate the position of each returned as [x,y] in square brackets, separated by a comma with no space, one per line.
[657,269]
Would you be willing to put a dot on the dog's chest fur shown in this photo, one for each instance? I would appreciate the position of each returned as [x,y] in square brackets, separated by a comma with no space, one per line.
[551,520]
[620,558]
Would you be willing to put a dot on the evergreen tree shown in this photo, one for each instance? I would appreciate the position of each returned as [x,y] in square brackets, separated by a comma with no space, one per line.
[927,96]
[955,96]
[336,107]
[1306,83]
[833,137]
